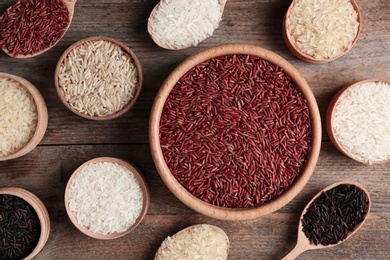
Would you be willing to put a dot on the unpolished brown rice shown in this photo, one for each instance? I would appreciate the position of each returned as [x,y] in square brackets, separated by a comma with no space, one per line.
[98,78]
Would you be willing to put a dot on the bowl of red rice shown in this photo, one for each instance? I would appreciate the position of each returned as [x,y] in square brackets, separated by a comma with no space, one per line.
[23,118]
[99,78]
[235,132]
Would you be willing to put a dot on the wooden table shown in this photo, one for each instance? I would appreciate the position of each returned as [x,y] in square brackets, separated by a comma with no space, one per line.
[71,140]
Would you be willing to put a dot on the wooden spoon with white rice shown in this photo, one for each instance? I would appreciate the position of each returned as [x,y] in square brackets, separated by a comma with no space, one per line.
[200,241]
[177,24]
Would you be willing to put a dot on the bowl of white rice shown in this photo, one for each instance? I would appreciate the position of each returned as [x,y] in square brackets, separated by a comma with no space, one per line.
[106,198]
[320,31]
[23,117]
[99,78]
[358,121]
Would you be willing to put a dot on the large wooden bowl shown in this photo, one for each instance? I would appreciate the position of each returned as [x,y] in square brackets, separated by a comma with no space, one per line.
[233,213]
[143,185]
[42,115]
[40,210]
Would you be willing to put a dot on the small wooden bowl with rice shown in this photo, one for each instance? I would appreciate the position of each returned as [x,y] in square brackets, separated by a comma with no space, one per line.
[323,38]
[30,228]
[24,132]
[220,132]
[99,78]
[106,198]
[358,121]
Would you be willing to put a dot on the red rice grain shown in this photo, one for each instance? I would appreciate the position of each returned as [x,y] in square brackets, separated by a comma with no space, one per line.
[235,131]
[31,26]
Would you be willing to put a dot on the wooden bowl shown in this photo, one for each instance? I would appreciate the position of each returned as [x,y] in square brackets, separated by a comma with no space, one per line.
[192,201]
[141,181]
[41,211]
[42,115]
[305,57]
[330,124]
[132,101]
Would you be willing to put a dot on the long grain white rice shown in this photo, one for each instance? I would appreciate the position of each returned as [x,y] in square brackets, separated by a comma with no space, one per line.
[323,28]
[201,241]
[98,78]
[105,197]
[179,24]
[361,121]
[18,116]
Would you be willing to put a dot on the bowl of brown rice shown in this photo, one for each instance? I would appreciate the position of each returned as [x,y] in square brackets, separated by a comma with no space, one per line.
[235,132]
[106,198]
[23,117]
[358,121]
[321,31]
[99,78]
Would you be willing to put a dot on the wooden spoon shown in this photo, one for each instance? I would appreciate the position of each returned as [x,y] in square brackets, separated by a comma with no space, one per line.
[70,5]
[193,235]
[222,4]
[303,242]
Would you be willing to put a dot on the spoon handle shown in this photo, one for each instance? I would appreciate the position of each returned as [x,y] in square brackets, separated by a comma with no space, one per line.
[297,250]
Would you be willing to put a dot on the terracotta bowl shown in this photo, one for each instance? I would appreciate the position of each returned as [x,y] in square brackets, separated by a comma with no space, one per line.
[132,101]
[330,124]
[185,196]
[41,211]
[305,57]
[41,113]
[142,183]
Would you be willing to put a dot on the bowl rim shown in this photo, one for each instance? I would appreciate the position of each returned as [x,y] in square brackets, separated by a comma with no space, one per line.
[42,117]
[40,210]
[127,50]
[306,57]
[142,182]
[178,190]
[330,113]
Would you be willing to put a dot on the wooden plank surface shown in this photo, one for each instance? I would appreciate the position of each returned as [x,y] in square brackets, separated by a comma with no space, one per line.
[70,140]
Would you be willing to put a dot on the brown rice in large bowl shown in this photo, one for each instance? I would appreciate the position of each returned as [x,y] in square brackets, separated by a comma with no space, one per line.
[235,132]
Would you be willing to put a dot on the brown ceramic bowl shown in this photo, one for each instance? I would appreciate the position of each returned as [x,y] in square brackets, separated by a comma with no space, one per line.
[41,113]
[330,123]
[40,210]
[223,212]
[132,101]
[142,183]
[305,57]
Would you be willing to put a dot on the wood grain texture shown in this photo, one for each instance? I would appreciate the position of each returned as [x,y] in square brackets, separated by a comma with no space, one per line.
[70,140]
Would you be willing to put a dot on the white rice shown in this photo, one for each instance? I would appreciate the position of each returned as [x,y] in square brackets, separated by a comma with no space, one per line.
[18,116]
[361,121]
[179,24]
[323,28]
[202,241]
[106,198]
[98,78]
